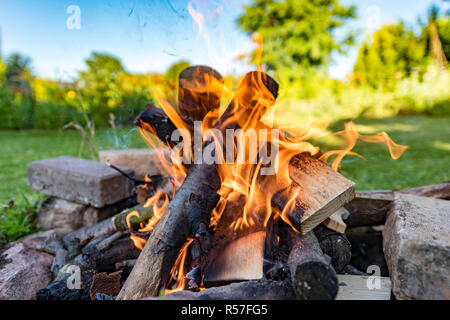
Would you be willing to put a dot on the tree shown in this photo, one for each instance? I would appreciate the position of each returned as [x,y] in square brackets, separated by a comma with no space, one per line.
[18,74]
[100,85]
[390,53]
[297,34]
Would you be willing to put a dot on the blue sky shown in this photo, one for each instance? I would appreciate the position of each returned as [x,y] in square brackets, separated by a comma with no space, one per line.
[151,35]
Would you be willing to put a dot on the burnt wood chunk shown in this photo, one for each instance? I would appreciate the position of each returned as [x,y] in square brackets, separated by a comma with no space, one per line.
[335,245]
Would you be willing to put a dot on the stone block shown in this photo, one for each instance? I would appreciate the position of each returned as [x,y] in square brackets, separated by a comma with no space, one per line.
[79,180]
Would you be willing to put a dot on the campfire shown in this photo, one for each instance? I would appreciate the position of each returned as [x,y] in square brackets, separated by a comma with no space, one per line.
[235,199]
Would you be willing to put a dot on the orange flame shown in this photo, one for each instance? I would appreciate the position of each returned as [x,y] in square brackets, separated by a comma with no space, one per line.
[252,108]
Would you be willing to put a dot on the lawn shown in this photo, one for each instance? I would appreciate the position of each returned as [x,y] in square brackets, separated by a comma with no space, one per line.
[426,161]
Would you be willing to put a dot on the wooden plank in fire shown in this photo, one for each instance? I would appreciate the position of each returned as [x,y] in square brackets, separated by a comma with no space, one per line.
[322,192]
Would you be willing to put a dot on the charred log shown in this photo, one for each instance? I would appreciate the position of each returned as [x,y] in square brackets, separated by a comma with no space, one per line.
[335,245]
[313,277]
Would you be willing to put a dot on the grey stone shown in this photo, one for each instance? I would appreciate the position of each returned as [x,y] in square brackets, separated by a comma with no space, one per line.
[142,161]
[79,180]
[416,244]
[60,215]
[23,270]
[63,216]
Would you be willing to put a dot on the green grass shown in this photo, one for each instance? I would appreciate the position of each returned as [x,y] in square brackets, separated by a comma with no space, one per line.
[18,203]
[426,161]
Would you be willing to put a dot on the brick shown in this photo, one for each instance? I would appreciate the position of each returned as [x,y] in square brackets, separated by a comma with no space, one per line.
[142,161]
[416,245]
[79,180]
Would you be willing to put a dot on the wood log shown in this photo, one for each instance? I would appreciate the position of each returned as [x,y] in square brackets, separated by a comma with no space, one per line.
[335,245]
[155,121]
[98,256]
[322,192]
[438,191]
[188,214]
[247,290]
[237,253]
[336,220]
[199,91]
[109,226]
[313,277]
[369,208]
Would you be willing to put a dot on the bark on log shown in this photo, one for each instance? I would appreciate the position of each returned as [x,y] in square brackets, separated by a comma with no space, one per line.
[188,214]
[335,245]
[313,277]
[155,121]
[109,226]
[199,91]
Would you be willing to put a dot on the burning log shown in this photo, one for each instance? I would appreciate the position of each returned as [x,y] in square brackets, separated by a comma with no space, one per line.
[155,120]
[247,290]
[108,226]
[238,253]
[188,214]
[335,245]
[199,91]
[313,278]
[314,203]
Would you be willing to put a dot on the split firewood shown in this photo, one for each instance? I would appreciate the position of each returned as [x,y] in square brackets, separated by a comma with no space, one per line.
[238,253]
[312,275]
[247,290]
[336,220]
[322,192]
[188,214]
[199,91]
[335,245]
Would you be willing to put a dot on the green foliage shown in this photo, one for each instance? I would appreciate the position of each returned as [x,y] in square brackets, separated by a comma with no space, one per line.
[443,26]
[297,34]
[389,54]
[426,94]
[17,219]
[99,85]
